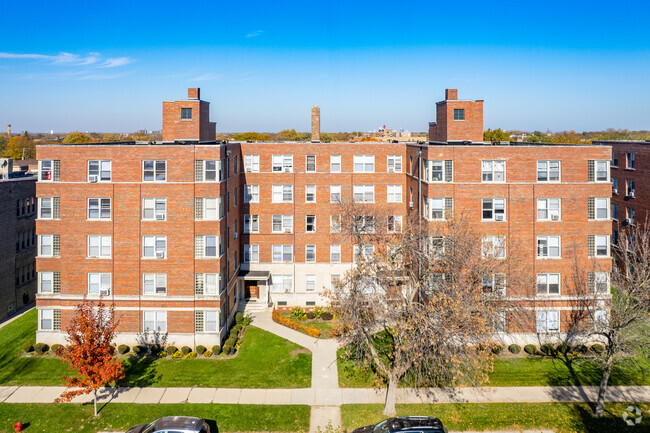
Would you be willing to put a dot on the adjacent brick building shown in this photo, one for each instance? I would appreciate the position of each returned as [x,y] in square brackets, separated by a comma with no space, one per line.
[457,120]
[178,234]
[17,239]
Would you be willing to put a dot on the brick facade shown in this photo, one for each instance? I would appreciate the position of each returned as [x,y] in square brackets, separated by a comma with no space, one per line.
[450,125]
[189,125]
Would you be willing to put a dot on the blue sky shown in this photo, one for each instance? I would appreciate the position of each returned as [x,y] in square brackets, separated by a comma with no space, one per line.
[107,66]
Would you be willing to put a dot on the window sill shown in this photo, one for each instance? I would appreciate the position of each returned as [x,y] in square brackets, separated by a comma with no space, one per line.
[549,258]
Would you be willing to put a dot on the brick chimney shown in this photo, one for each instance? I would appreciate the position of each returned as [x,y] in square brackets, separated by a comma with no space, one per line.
[315,123]
[193,93]
[451,94]
[9,130]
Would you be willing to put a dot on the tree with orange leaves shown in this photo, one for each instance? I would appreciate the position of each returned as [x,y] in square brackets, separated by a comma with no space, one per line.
[90,350]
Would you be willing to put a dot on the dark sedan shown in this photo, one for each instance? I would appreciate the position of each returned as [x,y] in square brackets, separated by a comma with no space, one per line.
[173,424]
[414,424]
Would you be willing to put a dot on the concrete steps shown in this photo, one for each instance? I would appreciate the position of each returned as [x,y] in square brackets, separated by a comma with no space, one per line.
[252,306]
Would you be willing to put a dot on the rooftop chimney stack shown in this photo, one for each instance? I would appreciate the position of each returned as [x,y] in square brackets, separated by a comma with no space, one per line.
[451,94]
[9,130]
[193,93]
[6,167]
[315,123]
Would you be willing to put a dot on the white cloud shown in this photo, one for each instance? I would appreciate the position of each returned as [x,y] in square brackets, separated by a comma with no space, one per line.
[71,59]
[205,77]
[115,62]
[254,34]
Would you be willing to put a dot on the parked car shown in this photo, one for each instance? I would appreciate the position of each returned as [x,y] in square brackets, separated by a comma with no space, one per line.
[173,424]
[413,424]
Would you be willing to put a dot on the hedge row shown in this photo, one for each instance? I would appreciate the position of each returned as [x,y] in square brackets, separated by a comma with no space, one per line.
[311,331]
[548,349]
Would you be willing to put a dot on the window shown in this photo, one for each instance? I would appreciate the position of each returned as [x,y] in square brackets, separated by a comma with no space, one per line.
[186,113]
[282,253]
[459,114]
[49,245]
[364,163]
[211,319]
[310,283]
[364,224]
[49,208]
[602,171]
[614,185]
[599,282]
[436,208]
[154,284]
[436,171]
[494,209]
[548,209]
[252,163]
[614,208]
[500,321]
[436,246]
[599,245]
[251,194]
[365,252]
[335,223]
[629,158]
[493,171]
[310,164]
[282,163]
[211,170]
[364,193]
[310,253]
[282,193]
[548,247]
[207,284]
[282,223]
[548,321]
[206,246]
[310,193]
[394,193]
[548,284]
[99,208]
[99,284]
[154,247]
[282,283]
[154,321]
[394,163]
[49,170]
[631,186]
[494,283]
[335,279]
[154,209]
[46,321]
[48,283]
[251,223]
[598,208]
[631,215]
[99,246]
[394,223]
[335,163]
[99,171]
[251,253]
[548,171]
[494,247]
[234,197]
[310,223]
[335,253]
[335,193]
[154,171]
[208,208]
[614,159]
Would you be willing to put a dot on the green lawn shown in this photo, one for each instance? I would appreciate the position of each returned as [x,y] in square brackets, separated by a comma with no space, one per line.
[263,361]
[52,418]
[525,371]
[560,417]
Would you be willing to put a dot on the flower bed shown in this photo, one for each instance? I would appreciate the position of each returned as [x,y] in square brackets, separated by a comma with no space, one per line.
[311,331]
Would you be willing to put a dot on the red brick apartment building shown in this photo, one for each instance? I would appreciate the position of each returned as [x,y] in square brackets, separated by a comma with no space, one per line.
[179,235]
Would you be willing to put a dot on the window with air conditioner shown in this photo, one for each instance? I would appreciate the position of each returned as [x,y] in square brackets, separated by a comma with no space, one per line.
[631,187]
[615,186]
[282,283]
[282,163]
[394,163]
[494,209]
[154,247]
[154,209]
[99,171]
[282,223]
[251,163]
[99,284]
[631,215]
[548,209]
[154,284]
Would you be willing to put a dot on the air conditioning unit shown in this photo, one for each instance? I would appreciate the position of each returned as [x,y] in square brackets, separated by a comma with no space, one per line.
[287,169]
[626,221]
[410,204]
[287,230]
[235,235]
[391,170]
[614,190]
[92,178]
[160,255]
[160,217]
[631,194]
[248,169]
[555,217]
[498,217]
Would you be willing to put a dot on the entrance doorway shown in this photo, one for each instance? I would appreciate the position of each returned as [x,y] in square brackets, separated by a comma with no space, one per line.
[251,289]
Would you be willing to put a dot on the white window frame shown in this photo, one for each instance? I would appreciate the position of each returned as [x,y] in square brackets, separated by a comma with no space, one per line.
[544,279]
[394,163]
[251,163]
[495,282]
[42,242]
[154,240]
[100,201]
[285,222]
[432,208]
[601,278]
[364,163]
[310,253]
[151,282]
[279,191]
[210,321]
[217,284]
[46,166]
[43,315]
[42,200]
[282,283]
[366,251]
[307,223]
[495,169]
[102,243]
[47,278]
[552,242]
[156,206]
[251,194]
[283,251]
[334,278]
[282,163]
[335,193]
[335,253]
[103,283]
[154,170]
[440,167]
[494,247]
[394,193]
[310,189]
[310,283]
[216,246]
[547,321]
[335,223]
[100,171]
[550,211]
[335,163]
[601,166]
[602,240]
[307,170]
[251,253]
[604,205]
[212,209]
[544,166]
[158,319]
[394,223]
[363,193]
[496,208]
[251,223]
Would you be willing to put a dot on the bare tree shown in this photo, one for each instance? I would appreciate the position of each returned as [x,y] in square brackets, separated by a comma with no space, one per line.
[419,306]
[615,312]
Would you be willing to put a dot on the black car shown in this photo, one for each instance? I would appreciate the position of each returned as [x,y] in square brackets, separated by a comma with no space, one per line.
[173,424]
[415,424]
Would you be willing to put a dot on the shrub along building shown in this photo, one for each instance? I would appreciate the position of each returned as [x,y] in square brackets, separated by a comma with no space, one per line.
[181,234]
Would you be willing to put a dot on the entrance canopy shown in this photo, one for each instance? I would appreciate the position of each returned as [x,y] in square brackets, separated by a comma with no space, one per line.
[254,275]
